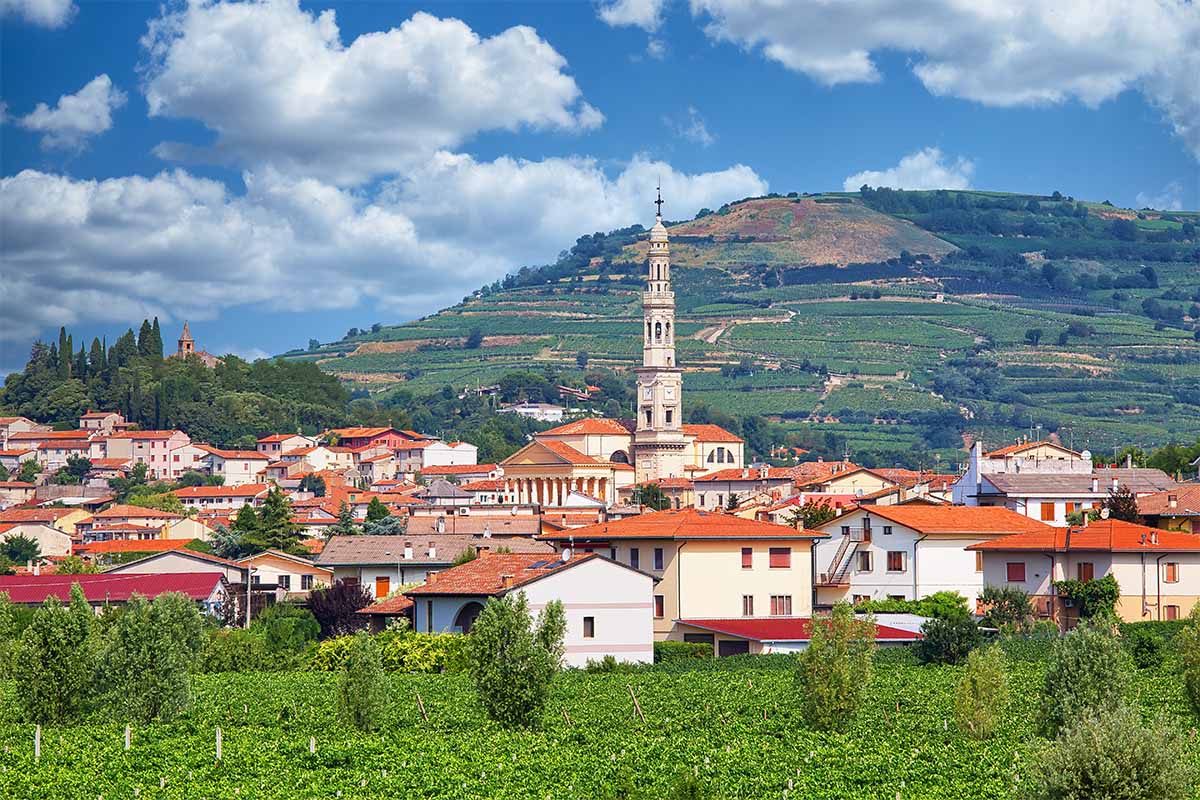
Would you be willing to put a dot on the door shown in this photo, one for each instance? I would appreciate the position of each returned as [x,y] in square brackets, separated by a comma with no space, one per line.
[383,585]
[734,647]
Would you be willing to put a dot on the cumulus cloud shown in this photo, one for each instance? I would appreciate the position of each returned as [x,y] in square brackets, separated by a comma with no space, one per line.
[644,14]
[77,116]
[276,85]
[693,128]
[46,13]
[1018,52]
[1169,199]
[179,246]
[924,169]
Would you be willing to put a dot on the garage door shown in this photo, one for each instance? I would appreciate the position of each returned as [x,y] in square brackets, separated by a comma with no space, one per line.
[735,647]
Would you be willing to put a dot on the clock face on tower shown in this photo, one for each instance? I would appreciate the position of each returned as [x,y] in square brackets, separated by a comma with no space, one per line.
[670,391]
[648,393]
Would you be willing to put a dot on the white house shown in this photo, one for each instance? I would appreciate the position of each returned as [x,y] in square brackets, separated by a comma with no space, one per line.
[542,412]
[237,467]
[909,551]
[152,448]
[221,498]
[445,454]
[609,606]
[277,444]
[51,541]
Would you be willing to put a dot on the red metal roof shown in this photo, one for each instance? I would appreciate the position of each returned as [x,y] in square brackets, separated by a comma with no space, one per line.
[785,629]
[117,588]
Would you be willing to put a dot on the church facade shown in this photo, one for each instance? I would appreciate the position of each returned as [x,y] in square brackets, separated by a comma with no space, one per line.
[597,456]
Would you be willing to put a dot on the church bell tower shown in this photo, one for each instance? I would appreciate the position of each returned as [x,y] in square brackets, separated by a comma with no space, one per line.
[658,441]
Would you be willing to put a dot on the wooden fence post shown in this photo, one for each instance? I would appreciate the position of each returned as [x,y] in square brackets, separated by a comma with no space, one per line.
[421,706]
[637,707]
[126,737]
[37,743]
[218,744]
[312,744]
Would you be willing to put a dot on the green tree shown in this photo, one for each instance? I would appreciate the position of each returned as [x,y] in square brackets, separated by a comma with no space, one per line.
[474,339]
[1006,607]
[1122,504]
[362,692]
[1097,597]
[581,359]
[947,641]
[145,339]
[10,635]
[21,549]
[1088,671]
[511,663]
[74,565]
[652,496]
[1110,753]
[833,672]
[1033,336]
[732,503]
[313,483]
[345,526]
[29,471]
[981,695]
[56,660]
[812,514]
[336,608]
[287,628]
[156,341]
[148,656]
[1188,643]
[76,469]
[376,510]
[551,631]
[274,528]
[390,525]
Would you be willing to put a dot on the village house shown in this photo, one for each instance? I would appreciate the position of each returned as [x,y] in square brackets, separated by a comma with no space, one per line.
[1158,571]
[709,565]
[681,492]
[12,460]
[51,541]
[387,438]
[209,590]
[11,425]
[276,444]
[488,492]
[295,576]
[183,560]
[463,472]
[152,448]
[15,493]
[542,412]
[1176,509]
[104,422]
[64,519]
[718,489]
[237,467]
[221,498]
[909,551]
[607,605]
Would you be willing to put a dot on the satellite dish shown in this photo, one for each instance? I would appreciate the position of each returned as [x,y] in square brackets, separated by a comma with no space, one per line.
[1104,513]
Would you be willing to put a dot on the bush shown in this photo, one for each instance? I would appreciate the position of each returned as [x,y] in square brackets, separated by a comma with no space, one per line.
[237,650]
[287,628]
[1089,671]
[335,608]
[1007,607]
[1109,753]
[939,605]
[1188,642]
[149,654]
[55,664]
[678,651]
[607,665]
[1145,647]
[981,696]
[511,663]
[833,670]
[947,641]
[362,693]
[399,651]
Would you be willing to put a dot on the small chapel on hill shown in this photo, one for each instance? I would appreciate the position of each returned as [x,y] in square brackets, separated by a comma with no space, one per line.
[599,457]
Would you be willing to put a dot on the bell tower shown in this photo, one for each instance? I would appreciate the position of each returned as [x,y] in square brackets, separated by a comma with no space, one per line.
[187,345]
[658,441]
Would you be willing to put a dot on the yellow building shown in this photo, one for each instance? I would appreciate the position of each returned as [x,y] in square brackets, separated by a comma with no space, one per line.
[709,565]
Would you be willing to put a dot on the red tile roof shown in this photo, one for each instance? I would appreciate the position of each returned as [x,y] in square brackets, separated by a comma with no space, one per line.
[1187,502]
[569,453]
[26,436]
[64,444]
[1106,535]
[670,483]
[35,514]
[485,485]
[145,434]
[483,575]
[388,607]
[746,474]
[277,437]
[248,455]
[99,414]
[1021,447]
[110,463]
[688,523]
[459,469]
[954,519]
[785,629]
[109,587]
[14,453]
[135,546]
[710,433]
[125,510]
[245,490]
[592,426]
[360,433]
[16,485]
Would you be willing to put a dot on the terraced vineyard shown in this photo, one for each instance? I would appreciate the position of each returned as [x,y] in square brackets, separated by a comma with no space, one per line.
[1055,319]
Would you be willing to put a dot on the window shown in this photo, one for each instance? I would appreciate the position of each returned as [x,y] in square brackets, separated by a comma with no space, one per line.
[658,558]
[896,597]
[1016,571]
[429,616]
[887,530]
[669,414]
[285,582]
[845,530]
[720,500]
[1070,508]
[660,605]
[383,585]
[747,558]
[979,561]
[589,627]
[896,560]
[1085,570]
[635,558]
[864,561]
[612,553]
[1047,512]
[860,598]
[780,558]
[781,605]
[1172,612]
[747,605]
[648,413]
[1171,572]
[306,582]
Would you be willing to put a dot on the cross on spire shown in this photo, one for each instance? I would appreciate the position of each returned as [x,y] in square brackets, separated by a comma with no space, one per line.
[659,203]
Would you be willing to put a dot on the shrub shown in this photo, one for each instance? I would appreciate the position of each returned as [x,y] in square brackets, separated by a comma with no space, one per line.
[1188,642]
[1093,598]
[237,650]
[287,628]
[939,605]
[677,651]
[1145,647]
[981,695]
[947,641]
[1007,608]
[511,663]
[1109,753]
[1088,671]
[56,660]
[149,654]
[362,693]
[335,608]
[833,670]
[608,664]
[399,651]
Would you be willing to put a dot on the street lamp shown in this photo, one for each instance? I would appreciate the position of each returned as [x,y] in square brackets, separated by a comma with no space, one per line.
[249,583]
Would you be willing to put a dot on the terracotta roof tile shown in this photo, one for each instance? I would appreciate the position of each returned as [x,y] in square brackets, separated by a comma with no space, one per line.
[459,469]
[125,510]
[1186,497]
[484,575]
[135,546]
[592,426]
[388,607]
[687,523]
[245,490]
[746,474]
[710,433]
[1108,535]
[953,519]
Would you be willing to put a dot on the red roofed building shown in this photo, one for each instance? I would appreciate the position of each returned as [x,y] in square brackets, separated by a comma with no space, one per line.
[463,472]
[710,564]
[152,448]
[735,636]
[1158,571]
[608,605]
[237,467]
[355,438]
[221,498]
[209,589]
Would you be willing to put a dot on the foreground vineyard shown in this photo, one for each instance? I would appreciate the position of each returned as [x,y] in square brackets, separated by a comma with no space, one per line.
[735,730]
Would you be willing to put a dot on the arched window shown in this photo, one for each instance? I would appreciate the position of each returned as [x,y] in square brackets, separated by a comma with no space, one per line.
[668,331]
[467,615]
[712,456]
[619,457]
[658,331]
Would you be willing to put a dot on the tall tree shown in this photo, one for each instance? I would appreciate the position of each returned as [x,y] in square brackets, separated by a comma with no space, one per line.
[97,362]
[156,340]
[145,344]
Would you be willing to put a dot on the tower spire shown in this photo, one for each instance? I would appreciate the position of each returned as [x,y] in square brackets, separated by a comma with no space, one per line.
[658,203]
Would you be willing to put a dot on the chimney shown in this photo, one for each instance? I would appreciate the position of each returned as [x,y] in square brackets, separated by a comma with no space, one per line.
[1128,460]
[1095,485]
[506,581]
[1114,483]
[1172,501]
[408,551]
[432,551]
[430,578]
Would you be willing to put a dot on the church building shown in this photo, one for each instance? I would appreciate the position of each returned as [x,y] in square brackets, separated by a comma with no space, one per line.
[599,457]
[186,348]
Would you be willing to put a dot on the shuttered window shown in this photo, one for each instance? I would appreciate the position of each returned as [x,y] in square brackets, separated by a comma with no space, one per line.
[659,606]
[781,605]
[781,557]
[1085,570]
[1171,572]
[747,557]
[896,560]
[1016,571]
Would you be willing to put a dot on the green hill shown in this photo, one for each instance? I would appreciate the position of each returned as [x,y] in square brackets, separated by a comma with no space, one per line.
[880,321]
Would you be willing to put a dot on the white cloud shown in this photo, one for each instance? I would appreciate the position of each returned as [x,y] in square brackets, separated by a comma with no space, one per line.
[178,246]
[77,116]
[996,52]
[1169,199]
[46,13]
[692,128]
[924,169]
[644,14]
[277,86]
[656,49]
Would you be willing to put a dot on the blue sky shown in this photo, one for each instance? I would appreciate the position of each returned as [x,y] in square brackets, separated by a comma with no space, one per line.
[333,165]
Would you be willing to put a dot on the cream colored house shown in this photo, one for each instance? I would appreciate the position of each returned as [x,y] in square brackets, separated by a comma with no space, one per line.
[11,425]
[65,519]
[294,575]
[237,467]
[709,565]
[277,444]
[51,541]
[545,472]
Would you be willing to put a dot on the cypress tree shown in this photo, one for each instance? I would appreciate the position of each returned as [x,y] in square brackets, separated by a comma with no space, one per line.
[144,344]
[80,370]
[96,360]
[156,340]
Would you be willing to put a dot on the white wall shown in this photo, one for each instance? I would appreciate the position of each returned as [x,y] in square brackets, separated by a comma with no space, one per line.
[51,540]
